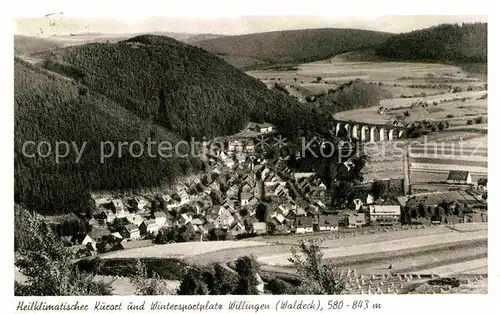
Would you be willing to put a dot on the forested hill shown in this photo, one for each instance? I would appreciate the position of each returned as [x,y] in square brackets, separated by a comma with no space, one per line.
[294,46]
[446,42]
[353,95]
[148,86]
[51,108]
[181,87]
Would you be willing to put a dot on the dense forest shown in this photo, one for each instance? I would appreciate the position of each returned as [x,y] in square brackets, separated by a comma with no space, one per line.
[352,95]
[146,87]
[446,42]
[181,87]
[51,108]
[294,46]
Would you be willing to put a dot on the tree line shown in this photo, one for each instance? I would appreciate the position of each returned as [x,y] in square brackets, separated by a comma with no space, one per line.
[445,42]
[50,271]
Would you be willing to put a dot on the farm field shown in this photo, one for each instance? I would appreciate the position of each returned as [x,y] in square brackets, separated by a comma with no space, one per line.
[431,158]
[283,244]
[437,108]
[423,90]
[412,263]
[384,246]
[475,266]
[181,250]
[329,239]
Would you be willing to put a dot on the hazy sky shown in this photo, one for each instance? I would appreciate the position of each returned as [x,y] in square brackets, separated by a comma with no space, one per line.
[224,16]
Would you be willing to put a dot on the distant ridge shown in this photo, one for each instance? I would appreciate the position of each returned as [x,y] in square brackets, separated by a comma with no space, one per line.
[445,42]
[293,46]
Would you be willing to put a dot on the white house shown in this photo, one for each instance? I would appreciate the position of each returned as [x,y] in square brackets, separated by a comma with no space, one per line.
[279,218]
[119,208]
[328,223]
[185,219]
[259,228]
[160,218]
[229,163]
[264,128]
[303,225]
[149,227]
[140,203]
[182,196]
[385,213]
[237,228]
[224,219]
[245,198]
[131,231]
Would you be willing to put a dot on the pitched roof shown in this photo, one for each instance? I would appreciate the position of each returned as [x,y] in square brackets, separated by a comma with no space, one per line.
[78,238]
[159,214]
[303,222]
[246,196]
[264,125]
[135,219]
[435,198]
[237,224]
[299,211]
[458,175]
[320,204]
[353,218]
[197,221]
[118,203]
[279,218]
[149,222]
[328,220]
[131,228]
[117,235]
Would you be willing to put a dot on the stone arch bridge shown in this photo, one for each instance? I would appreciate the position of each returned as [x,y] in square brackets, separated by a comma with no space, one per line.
[367,132]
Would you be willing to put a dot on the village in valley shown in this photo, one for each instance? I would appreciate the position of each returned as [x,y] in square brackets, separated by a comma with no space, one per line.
[320,161]
[244,195]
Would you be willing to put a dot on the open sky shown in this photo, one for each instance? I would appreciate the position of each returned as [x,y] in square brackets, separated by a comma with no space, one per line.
[223,16]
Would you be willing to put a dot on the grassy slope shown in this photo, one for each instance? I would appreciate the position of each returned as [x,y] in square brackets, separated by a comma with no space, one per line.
[295,46]
[27,44]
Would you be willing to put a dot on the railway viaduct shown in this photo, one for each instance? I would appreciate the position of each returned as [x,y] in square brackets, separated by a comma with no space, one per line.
[366,132]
